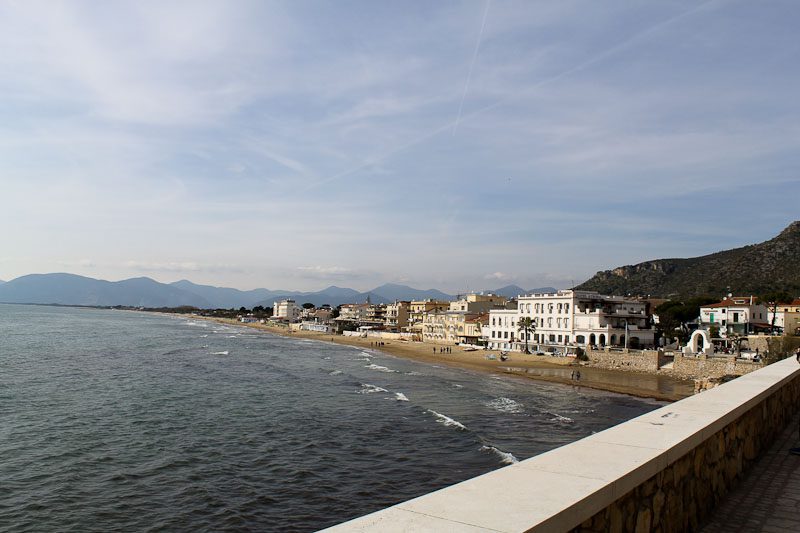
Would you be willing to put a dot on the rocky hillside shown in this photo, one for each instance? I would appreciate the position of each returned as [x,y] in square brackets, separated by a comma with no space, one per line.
[773,265]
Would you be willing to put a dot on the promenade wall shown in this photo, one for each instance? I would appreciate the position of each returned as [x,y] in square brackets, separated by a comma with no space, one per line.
[712,366]
[622,359]
[663,471]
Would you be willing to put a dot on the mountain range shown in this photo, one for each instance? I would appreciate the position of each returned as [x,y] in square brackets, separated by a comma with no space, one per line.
[770,266]
[71,289]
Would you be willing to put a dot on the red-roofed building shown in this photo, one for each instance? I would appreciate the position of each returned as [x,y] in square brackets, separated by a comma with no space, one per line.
[736,314]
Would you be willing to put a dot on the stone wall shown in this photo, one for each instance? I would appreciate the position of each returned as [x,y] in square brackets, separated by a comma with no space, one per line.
[682,496]
[636,360]
[705,367]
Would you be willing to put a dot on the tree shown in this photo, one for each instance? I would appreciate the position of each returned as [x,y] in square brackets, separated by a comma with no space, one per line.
[526,325]
[308,305]
[772,300]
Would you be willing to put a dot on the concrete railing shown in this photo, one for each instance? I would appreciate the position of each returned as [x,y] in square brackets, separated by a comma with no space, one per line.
[665,470]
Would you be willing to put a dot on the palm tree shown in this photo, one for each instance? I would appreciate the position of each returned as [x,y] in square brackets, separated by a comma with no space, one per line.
[526,325]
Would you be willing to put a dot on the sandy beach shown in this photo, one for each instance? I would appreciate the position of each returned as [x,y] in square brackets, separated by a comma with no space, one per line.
[553,369]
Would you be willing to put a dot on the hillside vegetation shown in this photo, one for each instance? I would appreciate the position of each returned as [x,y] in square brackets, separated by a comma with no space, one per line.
[770,266]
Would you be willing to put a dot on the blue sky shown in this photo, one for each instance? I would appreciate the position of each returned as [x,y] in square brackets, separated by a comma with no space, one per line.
[462,145]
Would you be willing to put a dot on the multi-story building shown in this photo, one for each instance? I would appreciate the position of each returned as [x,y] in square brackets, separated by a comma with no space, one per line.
[736,314]
[286,310]
[478,303]
[397,315]
[463,320]
[501,330]
[354,312]
[572,318]
[453,327]
[417,310]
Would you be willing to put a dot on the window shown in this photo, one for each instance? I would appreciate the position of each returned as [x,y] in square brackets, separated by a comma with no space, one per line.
[566,308]
[505,334]
[493,333]
[552,338]
[560,338]
[566,339]
[493,321]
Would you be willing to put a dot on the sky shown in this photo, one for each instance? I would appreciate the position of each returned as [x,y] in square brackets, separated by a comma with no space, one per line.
[457,145]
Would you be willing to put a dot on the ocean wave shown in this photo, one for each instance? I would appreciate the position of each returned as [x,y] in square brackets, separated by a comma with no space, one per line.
[456,385]
[380,368]
[413,373]
[226,352]
[368,388]
[335,373]
[558,418]
[367,354]
[446,420]
[506,405]
[505,457]
[400,397]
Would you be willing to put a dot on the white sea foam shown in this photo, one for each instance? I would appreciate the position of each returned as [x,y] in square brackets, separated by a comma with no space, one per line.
[412,373]
[335,373]
[446,420]
[366,354]
[379,368]
[506,405]
[456,385]
[400,397]
[232,336]
[204,336]
[226,352]
[327,358]
[368,388]
[505,457]
[558,418]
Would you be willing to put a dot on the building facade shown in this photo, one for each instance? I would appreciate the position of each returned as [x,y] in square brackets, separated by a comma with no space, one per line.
[286,310]
[569,318]
[735,315]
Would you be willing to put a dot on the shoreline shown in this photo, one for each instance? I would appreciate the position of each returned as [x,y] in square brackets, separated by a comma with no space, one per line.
[536,368]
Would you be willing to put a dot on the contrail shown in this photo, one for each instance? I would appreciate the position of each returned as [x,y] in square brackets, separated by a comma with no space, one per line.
[472,65]
[580,66]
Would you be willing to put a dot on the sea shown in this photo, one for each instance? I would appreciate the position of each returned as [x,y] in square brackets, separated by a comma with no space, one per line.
[128,421]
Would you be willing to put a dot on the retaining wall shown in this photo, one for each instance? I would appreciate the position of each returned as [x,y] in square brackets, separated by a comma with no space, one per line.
[639,360]
[713,366]
[662,471]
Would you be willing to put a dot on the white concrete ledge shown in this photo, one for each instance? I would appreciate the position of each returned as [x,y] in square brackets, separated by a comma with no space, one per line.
[558,490]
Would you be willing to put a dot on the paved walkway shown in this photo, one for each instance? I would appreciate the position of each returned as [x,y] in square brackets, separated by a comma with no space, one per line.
[768,498]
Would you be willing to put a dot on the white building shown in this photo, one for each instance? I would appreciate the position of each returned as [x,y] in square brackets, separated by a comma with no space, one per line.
[501,330]
[572,318]
[287,310]
[736,314]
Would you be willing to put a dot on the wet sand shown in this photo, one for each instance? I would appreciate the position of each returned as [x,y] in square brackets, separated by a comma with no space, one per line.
[554,369]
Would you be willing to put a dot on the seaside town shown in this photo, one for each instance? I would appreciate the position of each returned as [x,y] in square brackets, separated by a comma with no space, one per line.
[727,338]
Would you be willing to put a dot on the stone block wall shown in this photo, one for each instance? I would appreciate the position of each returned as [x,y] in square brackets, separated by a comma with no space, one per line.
[636,360]
[682,496]
[704,367]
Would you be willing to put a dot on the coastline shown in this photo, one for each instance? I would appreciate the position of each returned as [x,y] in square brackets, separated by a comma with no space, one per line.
[538,368]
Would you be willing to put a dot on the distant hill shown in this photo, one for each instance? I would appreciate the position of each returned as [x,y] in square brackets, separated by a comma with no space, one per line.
[393,291]
[226,298]
[332,295]
[512,291]
[69,289]
[773,265]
